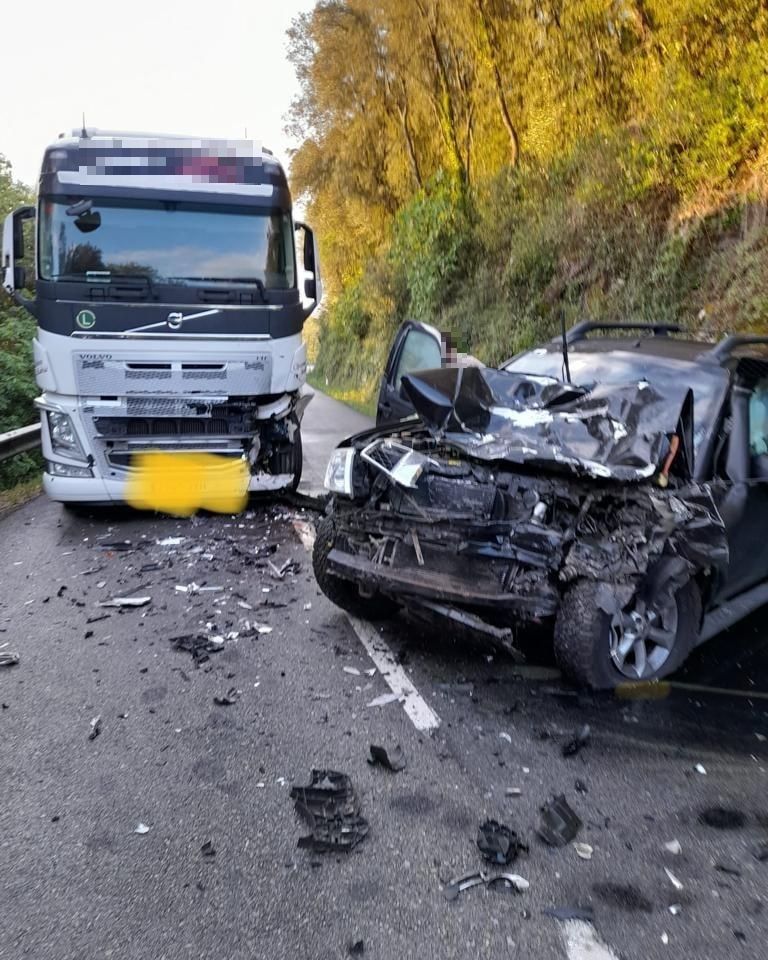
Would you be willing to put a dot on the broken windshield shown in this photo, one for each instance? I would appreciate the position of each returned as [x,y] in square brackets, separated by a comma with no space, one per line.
[671,377]
[168,242]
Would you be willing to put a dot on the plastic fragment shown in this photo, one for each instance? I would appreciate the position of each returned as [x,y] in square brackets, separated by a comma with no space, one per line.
[505,736]
[498,844]
[513,792]
[665,938]
[356,949]
[330,807]
[384,699]
[8,659]
[677,884]
[95,728]
[170,541]
[353,671]
[125,602]
[583,850]
[728,866]
[393,759]
[674,909]
[559,823]
[673,847]
[141,828]
[208,849]
[507,881]
[581,739]
[700,768]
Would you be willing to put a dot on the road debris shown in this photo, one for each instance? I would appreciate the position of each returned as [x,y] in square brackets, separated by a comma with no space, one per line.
[700,768]
[559,823]
[665,938]
[9,659]
[95,728]
[227,699]
[509,881]
[578,742]
[498,844]
[580,787]
[356,948]
[384,699]
[393,759]
[675,908]
[208,849]
[673,847]
[198,645]
[141,828]
[170,541]
[330,807]
[677,884]
[513,792]
[125,602]
[728,866]
[570,913]
[352,671]
[583,850]
[505,736]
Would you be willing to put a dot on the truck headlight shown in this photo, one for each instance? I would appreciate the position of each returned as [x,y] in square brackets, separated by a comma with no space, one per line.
[338,475]
[63,435]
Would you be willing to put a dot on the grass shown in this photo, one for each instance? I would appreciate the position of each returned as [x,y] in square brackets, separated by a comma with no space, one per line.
[19,494]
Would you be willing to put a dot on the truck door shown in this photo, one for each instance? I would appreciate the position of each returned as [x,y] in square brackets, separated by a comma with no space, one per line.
[416,347]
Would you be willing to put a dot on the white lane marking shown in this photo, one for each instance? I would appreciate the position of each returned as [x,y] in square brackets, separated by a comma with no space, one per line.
[583,943]
[421,715]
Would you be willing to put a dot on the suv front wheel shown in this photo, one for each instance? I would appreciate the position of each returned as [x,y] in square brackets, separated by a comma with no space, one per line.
[644,641]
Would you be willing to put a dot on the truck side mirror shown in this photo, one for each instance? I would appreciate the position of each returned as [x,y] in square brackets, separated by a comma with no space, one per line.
[14,274]
[313,285]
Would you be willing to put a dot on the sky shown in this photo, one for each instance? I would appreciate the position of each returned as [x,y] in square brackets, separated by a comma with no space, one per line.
[213,69]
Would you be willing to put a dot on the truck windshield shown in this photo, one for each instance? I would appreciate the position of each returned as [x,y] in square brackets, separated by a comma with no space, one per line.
[168,242]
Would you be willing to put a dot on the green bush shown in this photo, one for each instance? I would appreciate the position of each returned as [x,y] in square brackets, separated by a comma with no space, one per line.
[17,389]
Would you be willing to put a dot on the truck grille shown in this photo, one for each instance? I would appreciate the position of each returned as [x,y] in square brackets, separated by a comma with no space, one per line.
[115,428]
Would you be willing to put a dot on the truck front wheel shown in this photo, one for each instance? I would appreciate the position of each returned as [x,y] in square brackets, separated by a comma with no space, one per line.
[645,641]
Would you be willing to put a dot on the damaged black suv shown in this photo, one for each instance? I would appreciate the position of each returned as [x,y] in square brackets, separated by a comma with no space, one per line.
[617,485]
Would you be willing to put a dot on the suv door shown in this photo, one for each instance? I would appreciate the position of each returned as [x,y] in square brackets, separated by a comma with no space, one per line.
[745,509]
[416,347]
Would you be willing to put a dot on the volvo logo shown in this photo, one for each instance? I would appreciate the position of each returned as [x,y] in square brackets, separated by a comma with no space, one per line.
[175,320]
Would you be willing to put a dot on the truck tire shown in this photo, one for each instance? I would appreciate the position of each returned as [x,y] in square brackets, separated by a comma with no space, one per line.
[341,592]
[588,641]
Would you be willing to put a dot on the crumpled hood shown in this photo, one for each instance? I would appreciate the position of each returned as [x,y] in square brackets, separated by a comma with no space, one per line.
[620,432]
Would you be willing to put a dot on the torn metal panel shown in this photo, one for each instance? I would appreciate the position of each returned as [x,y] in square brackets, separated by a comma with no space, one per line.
[618,432]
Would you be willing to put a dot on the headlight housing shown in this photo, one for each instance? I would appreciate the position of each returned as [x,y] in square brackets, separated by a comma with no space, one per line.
[64,439]
[338,475]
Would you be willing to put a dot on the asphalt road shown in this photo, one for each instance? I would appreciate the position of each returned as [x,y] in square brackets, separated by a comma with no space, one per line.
[78,881]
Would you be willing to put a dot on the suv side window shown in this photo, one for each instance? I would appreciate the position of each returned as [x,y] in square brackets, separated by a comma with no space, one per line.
[420,351]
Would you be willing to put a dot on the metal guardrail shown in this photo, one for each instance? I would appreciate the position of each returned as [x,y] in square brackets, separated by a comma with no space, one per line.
[19,441]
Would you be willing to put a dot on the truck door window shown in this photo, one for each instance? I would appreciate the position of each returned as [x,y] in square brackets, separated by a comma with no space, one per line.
[420,351]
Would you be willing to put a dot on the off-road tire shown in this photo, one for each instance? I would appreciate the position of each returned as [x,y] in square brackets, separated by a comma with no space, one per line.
[582,637]
[341,592]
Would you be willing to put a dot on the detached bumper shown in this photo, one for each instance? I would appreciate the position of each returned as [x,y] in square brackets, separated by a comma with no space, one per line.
[415,581]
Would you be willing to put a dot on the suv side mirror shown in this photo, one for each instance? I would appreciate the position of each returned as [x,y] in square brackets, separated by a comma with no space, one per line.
[313,285]
[14,274]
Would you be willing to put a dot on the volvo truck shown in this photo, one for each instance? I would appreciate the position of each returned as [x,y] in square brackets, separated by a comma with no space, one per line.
[170,287]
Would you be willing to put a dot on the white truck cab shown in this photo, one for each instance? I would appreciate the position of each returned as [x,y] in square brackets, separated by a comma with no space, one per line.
[168,305]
